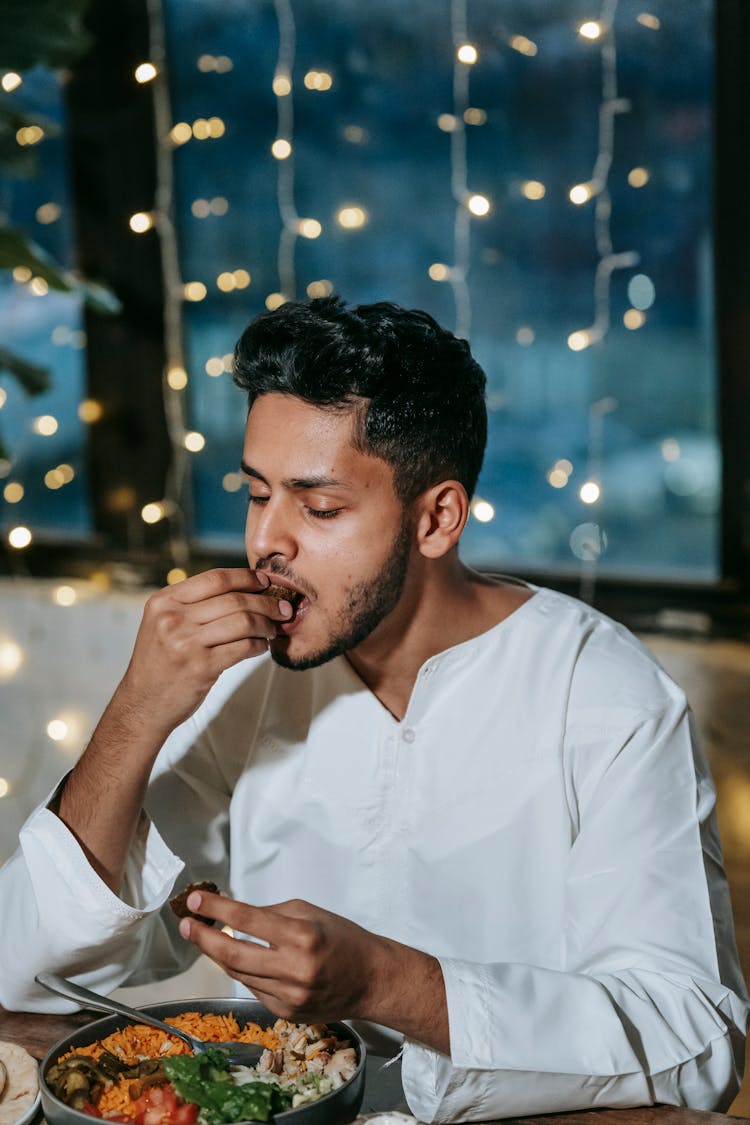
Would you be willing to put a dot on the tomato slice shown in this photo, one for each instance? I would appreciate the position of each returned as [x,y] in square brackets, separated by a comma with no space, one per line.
[90,1109]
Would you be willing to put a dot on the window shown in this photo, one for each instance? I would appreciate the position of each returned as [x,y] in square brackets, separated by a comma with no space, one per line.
[539,177]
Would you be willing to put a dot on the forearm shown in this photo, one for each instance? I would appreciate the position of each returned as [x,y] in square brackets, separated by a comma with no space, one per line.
[407,992]
[102,798]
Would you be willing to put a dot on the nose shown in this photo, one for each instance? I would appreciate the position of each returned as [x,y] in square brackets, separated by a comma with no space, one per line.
[268,531]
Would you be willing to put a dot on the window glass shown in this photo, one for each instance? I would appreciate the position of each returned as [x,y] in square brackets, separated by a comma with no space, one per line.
[533,175]
[43,471]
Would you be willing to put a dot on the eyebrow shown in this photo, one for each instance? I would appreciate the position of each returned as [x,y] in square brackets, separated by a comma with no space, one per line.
[300,484]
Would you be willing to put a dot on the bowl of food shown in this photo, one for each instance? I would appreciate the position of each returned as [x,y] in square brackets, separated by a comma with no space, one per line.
[115,1069]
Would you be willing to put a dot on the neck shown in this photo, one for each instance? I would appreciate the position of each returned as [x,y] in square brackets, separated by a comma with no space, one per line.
[443,604]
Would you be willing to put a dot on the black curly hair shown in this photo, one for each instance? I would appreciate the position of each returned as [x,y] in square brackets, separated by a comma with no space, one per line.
[417,391]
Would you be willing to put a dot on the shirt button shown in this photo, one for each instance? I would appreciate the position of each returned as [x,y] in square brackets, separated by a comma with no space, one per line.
[409,735]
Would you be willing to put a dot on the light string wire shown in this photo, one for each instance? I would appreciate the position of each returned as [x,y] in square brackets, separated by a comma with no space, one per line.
[459,273]
[608,261]
[177,500]
[283,85]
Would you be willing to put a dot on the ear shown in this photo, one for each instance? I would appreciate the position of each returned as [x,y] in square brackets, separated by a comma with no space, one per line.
[441,515]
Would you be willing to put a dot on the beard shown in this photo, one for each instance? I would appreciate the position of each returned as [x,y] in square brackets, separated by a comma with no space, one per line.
[369,602]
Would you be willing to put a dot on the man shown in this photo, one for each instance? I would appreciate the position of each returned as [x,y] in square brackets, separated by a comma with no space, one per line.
[466,811]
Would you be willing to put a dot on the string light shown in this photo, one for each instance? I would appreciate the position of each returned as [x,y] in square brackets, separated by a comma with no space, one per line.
[465,55]
[193,441]
[590,492]
[19,537]
[90,411]
[4,787]
[351,217]
[647,19]
[11,659]
[10,81]
[48,213]
[64,595]
[45,425]
[39,287]
[598,185]
[175,575]
[482,510]
[638,177]
[13,492]
[57,730]
[291,225]
[153,512]
[633,318]
[523,45]
[525,336]
[145,72]
[141,221]
[533,189]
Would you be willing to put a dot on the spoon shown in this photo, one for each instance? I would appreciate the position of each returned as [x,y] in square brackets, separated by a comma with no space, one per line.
[238,1054]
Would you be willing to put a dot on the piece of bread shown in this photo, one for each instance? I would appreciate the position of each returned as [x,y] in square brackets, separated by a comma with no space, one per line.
[283,593]
[179,902]
[21,1083]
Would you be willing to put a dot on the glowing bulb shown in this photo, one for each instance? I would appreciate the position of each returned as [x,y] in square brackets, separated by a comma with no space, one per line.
[241,278]
[275,301]
[39,287]
[228,361]
[57,729]
[282,85]
[533,189]
[11,659]
[309,228]
[438,271]
[577,341]
[482,510]
[641,291]
[214,366]
[590,492]
[19,537]
[140,222]
[48,213]
[322,288]
[634,318]
[281,149]
[591,30]
[216,127]
[180,133]
[478,205]
[145,72]
[175,575]
[152,513]
[225,281]
[223,64]
[64,595]
[447,122]
[557,478]
[564,466]
[10,81]
[318,80]
[53,479]
[670,449]
[219,205]
[194,291]
[351,217]
[90,411]
[193,441]
[355,134]
[523,45]
[13,492]
[232,482]
[525,336]
[638,177]
[45,424]
[467,53]
[3,398]
[646,19]
[474,116]
[22,274]
[579,194]
[4,787]
[177,378]
[201,129]
[66,472]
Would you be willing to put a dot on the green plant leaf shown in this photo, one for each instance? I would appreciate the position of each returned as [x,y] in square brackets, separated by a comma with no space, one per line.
[42,31]
[17,249]
[32,378]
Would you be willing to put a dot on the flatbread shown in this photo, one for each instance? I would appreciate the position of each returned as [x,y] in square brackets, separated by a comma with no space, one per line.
[21,1084]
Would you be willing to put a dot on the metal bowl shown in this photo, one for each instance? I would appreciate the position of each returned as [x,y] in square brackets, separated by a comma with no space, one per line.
[337,1108]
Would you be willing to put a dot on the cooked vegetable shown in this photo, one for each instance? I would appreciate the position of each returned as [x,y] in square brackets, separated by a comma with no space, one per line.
[205,1079]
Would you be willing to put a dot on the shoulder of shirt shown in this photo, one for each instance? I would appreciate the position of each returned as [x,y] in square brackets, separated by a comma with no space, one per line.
[612,667]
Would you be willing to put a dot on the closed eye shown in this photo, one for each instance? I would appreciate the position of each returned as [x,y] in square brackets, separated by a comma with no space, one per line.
[324,513]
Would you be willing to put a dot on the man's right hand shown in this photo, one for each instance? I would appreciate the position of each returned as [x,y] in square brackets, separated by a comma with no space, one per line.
[190,633]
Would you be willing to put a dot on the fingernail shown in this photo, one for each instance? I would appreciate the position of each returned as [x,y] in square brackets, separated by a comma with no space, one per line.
[193,900]
[285,609]
[263,578]
[185,927]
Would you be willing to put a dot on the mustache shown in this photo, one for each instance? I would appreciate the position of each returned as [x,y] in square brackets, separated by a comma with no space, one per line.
[275,566]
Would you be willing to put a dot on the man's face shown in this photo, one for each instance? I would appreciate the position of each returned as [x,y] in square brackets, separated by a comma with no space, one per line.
[325,519]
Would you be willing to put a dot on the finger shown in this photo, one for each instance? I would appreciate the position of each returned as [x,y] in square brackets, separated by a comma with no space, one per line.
[214,583]
[239,601]
[265,922]
[237,627]
[232,954]
[224,656]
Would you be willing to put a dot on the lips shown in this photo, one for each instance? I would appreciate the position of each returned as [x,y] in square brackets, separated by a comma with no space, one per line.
[284,593]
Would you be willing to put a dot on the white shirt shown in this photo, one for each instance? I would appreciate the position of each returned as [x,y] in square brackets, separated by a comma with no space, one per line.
[541,820]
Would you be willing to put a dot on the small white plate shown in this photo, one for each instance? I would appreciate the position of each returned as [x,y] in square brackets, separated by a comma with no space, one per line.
[30,1113]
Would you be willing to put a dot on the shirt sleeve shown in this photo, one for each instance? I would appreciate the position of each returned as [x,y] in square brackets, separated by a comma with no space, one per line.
[648,1004]
[65,919]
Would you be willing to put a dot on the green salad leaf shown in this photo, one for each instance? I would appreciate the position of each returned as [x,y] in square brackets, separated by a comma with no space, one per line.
[206,1080]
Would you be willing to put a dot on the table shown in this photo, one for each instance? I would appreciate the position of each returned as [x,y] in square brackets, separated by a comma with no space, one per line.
[37,1033]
